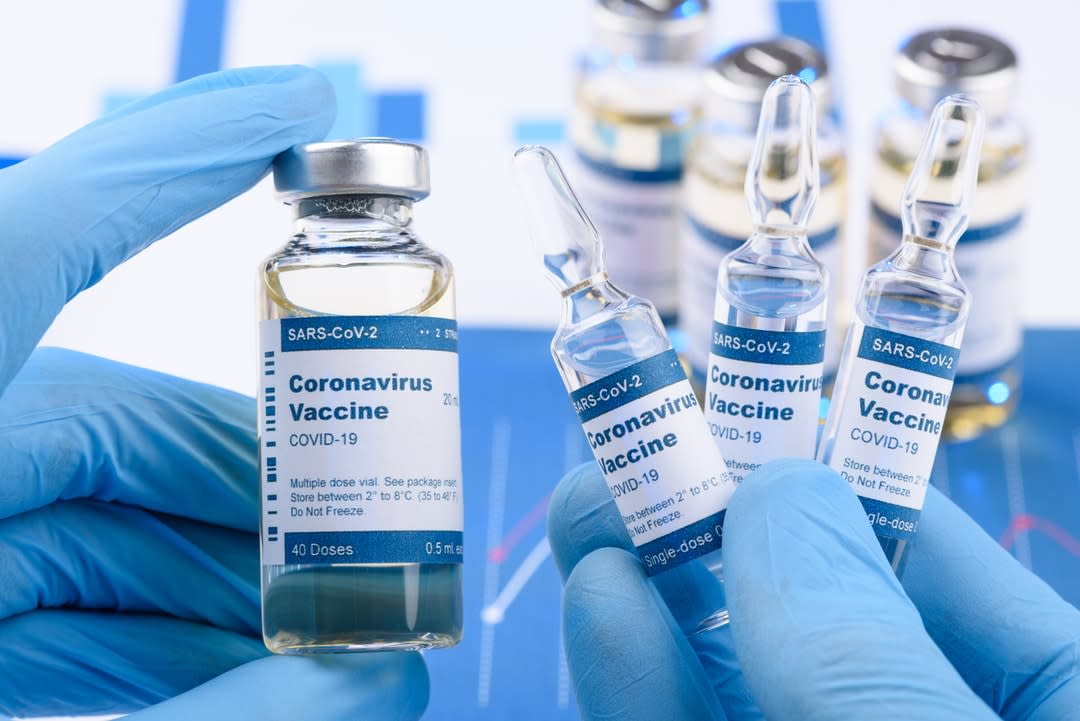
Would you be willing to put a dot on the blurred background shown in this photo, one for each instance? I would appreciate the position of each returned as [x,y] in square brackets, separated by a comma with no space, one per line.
[470,80]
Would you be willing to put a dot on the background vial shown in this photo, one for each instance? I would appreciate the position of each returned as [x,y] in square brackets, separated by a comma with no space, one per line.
[635,108]
[717,220]
[929,66]
[355,263]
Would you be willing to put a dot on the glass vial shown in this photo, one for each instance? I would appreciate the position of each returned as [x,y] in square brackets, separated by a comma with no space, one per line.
[716,219]
[636,406]
[896,373]
[929,66]
[361,534]
[635,109]
[768,338]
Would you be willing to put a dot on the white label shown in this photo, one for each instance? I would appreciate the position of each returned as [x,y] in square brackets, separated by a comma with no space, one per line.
[360,440]
[637,214]
[986,261]
[646,430]
[763,395]
[890,421]
[703,250]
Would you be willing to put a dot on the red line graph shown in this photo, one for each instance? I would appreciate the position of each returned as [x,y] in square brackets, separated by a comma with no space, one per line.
[1027,523]
[521,529]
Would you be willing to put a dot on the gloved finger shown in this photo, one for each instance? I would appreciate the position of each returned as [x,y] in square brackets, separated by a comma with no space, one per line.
[72,663]
[389,686]
[118,663]
[105,192]
[1012,638]
[627,658]
[822,628]
[93,555]
[582,518]
[77,426]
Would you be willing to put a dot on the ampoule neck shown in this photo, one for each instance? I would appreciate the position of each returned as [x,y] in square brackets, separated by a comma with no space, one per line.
[589,297]
[925,257]
[785,239]
[373,218]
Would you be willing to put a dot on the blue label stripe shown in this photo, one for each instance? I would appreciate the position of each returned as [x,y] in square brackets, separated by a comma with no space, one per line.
[971,235]
[775,347]
[314,547]
[671,174]
[729,243]
[904,351]
[628,385]
[668,551]
[890,520]
[368,332]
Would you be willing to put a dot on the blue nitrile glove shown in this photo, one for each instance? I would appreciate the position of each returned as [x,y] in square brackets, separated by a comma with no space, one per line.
[822,629]
[129,568]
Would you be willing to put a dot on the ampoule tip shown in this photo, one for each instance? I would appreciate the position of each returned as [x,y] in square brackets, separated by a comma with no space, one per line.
[560,228]
[782,178]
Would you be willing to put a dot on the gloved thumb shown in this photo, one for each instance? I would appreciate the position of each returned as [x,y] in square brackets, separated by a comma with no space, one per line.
[822,627]
[391,686]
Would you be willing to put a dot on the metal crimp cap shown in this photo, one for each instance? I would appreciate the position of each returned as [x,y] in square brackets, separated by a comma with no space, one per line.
[946,61]
[655,30]
[366,166]
[736,80]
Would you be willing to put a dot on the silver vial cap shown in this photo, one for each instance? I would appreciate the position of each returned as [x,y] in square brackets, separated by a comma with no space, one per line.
[736,81]
[367,166]
[652,30]
[944,61]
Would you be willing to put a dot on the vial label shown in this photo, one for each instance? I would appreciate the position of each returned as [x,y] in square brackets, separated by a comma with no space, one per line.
[646,431]
[703,249]
[763,395]
[637,213]
[361,440]
[890,423]
[986,261]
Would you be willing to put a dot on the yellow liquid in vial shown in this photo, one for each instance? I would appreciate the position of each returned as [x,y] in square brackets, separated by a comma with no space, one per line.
[347,606]
[993,280]
[633,127]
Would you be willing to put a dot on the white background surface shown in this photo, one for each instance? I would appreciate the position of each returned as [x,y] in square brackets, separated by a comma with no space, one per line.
[484,64]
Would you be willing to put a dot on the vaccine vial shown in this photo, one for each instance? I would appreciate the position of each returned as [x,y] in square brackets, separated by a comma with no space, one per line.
[902,352]
[359,431]
[636,406]
[763,392]
[635,110]
[929,66]
[716,220]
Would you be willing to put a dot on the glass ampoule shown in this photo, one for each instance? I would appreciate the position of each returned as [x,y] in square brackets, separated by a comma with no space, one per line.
[764,379]
[989,256]
[716,219]
[896,373]
[638,411]
[361,534]
[635,111]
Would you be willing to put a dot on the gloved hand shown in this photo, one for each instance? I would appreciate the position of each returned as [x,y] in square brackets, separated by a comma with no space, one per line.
[129,568]
[820,626]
